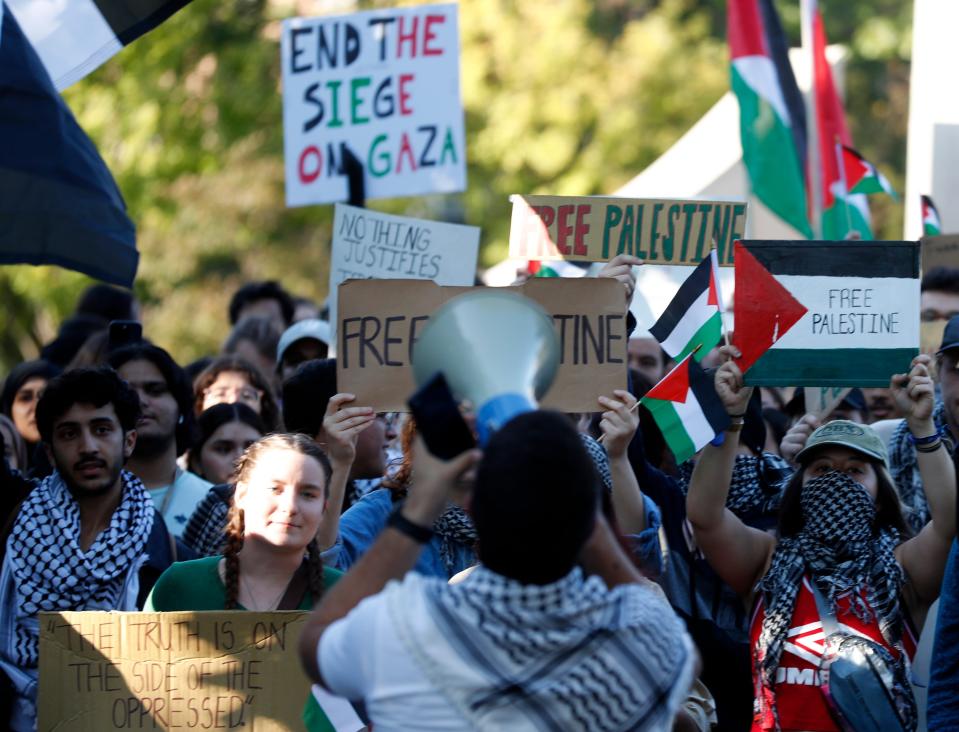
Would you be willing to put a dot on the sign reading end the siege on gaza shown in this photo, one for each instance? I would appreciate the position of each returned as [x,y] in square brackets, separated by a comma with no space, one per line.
[383,84]
[597,228]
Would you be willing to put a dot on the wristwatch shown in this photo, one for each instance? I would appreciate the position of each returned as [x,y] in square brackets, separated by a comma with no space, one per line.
[419,534]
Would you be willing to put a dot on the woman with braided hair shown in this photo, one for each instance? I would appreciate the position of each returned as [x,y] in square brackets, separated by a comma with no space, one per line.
[842,536]
[270,560]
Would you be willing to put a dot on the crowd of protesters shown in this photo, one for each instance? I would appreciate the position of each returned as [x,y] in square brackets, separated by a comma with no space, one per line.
[571,576]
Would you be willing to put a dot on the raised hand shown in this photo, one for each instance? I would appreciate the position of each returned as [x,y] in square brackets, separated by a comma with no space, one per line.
[619,422]
[620,268]
[730,387]
[341,427]
[795,440]
[914,394]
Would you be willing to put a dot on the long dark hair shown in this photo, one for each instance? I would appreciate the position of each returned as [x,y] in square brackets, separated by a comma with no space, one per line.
[234,521]
[888,510]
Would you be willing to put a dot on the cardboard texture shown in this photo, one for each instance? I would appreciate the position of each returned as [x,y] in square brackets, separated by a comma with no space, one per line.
[821,400]
[177,670]
[383,84]
[380,320]
[939,251]
[597,228]
[372,245]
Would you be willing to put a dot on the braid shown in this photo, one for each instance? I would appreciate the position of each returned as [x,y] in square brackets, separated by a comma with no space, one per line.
[314,566]
[231,552]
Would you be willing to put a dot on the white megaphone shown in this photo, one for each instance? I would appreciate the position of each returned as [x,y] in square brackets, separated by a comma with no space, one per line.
[495,348]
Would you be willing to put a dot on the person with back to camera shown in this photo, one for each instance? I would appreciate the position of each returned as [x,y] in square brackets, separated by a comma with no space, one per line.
[842,535]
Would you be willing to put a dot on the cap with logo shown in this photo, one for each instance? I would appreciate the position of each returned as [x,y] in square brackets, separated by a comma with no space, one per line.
[843,433]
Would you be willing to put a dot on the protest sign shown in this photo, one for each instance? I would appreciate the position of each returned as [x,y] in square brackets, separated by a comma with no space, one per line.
[826,313]
[372,245]
[380,321]
[821,400]
[940,251]
[176,670]
[597,228]
[383,84]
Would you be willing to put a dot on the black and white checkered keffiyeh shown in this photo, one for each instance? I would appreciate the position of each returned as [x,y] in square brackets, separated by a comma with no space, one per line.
[570,655]
[52,573]
[905,471]
[842,552]
[756,486]
[454,527]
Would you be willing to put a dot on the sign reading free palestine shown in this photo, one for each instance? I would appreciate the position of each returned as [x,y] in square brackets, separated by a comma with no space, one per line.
[383,84]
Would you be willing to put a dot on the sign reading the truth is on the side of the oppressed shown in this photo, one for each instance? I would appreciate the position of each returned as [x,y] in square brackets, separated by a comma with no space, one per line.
[597,228]
[372,245]
[383,84]
[380,321]
[177,670]
[826,313]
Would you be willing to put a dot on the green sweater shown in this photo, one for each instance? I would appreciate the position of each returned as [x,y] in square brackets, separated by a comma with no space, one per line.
[196,585]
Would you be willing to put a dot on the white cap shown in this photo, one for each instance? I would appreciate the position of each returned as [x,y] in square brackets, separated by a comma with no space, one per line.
[318,330]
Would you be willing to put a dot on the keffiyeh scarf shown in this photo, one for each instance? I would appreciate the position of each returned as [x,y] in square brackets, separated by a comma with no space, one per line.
[453,527]
[52,573]
[905,472]
[756,486]
[842,553]
[567,655]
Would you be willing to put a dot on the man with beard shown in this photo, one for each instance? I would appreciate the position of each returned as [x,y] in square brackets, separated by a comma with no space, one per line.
[165,431]
[86,538]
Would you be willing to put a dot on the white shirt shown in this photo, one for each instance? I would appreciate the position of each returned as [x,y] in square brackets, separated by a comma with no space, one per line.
[179,499]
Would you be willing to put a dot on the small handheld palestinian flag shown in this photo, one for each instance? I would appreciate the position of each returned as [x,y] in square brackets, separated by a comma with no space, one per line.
[862,176]
[693,320]
[559,268]
[931,225]
[686,409]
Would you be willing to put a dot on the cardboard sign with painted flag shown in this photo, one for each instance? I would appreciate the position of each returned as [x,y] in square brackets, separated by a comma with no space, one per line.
[58,202]
[826,313]
[862,176]
[931,223]
[693,320]
[74,38]
[686,409]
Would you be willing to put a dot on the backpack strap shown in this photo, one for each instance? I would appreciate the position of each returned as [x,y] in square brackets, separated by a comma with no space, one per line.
[829,623]
[296,590]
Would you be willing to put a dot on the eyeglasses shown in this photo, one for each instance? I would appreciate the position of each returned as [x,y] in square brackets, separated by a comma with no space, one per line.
[230,394]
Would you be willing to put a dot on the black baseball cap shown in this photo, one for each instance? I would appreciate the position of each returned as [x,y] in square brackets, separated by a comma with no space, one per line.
[950,336]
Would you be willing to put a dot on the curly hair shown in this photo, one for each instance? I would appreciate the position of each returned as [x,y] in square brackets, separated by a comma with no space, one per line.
[269,410]
[398,480]
[235,524]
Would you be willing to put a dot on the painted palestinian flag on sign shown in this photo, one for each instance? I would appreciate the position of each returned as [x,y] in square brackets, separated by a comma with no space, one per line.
[771,112]
[826,313]
[686,409]
[74,37]
[931,225]
[693,319]
[862,176]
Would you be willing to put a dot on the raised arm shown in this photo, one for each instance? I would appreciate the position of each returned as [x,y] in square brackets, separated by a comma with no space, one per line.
[736,551]
[341,426]
[924,556]
[619,424]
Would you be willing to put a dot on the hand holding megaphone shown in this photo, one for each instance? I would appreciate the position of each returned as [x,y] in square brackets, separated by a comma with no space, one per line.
[437,482]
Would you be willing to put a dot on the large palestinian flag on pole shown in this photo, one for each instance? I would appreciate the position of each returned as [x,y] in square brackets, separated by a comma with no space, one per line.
[58,202]
[770,110]
[74,37]
[826,313]
[686,409]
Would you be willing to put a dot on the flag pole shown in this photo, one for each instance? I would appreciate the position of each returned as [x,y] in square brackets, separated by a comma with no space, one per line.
[714,266]
[807,11]
[845,187]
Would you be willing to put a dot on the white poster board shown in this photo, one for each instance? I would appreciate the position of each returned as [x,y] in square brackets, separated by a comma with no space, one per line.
[369,245]
[383,84]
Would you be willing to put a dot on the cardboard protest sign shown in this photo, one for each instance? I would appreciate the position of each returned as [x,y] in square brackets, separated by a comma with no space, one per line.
[940,251]
[597,228]
[826,313]
[380,321]
[821,400]
[383,84]
[177,670]
[930,335]
[372,245]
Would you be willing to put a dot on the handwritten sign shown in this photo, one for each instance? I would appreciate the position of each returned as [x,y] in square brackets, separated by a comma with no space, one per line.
[372,245]
[597,228]
[940,251]
[383,84]
[821,400]
[178,670]
[379,323]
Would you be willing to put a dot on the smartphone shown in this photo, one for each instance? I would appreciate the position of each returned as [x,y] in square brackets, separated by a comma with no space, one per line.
[438,419]
[124,333]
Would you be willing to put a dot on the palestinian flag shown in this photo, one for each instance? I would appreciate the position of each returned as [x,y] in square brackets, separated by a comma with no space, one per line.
[58,202]
[686,409]
[74,37]
[771,114]
[842,211]
[931,225]
[826,313]
[862,176]
[558,268]
[694,316]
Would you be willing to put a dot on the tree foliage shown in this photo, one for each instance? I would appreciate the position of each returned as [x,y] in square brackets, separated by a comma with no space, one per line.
[572,97]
